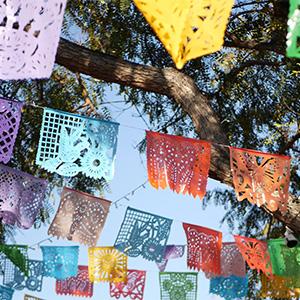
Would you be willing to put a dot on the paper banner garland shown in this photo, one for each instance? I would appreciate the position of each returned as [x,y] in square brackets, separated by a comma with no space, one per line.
[179,286]
[133,288]
[29,36]
[60,262]
[255,253]
[10,117]
[143,234]
[229,288]
[79,285]
[178,162]
[107,264]
[17,280]
[293,35]
[28,297]
[80,217]
[204,248]
[261,178]
[70,144]
[171,252]
[191,29]
[22,197]
[6,293]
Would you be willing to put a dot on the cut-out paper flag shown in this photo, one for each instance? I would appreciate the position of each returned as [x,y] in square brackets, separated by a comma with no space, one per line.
[179,286]
[229,288]
[70,144]
[133,288]
[80,217]
[6,293]
[10,117]
[29,36]
[107,264]
[79,285]
[22,197]
[17,280]
[60,262]
[261,178]
[28,297]
[187,28]
[255,253]
[293,49]
[204,248]
[178,162]
[143,234]
[171,252]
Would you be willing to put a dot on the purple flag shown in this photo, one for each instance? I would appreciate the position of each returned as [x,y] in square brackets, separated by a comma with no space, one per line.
[171,252]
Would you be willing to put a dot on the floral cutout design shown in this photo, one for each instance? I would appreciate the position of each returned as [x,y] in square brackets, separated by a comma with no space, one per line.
[171,252]
[60,262]
[107,264]
[293,35]
[261,178]
[80,217]
[143,234]
[29,36]
[255,253]
[204,248]
[133,288]
[79,285]
[70,144]
[17,280]
[191,29]
[10,117]
[6,293]
[179,286]
[178,162]
[232,287]
[22,197]
[28,297]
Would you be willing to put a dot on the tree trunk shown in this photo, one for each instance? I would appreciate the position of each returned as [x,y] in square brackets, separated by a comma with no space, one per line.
[175,85]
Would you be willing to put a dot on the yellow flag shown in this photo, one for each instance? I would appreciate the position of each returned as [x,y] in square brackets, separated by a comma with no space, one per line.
[187,28]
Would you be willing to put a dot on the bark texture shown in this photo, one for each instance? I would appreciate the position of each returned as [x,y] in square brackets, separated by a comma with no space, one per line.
[176,85]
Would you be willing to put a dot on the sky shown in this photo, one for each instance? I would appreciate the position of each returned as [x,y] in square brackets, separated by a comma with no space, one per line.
[130,172]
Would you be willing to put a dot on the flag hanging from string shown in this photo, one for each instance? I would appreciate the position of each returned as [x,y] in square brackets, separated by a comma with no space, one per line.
[10,117]
[78,285]
[107,264]
[60,262]
[29,36]
[80,217]
[70,144]
[22,197]
[204,248]
[178,162]
[143,234]
[261,178]
[133,288]
[171,252]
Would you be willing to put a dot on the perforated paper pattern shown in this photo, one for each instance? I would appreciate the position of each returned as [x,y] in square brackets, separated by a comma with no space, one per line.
[204,248]
[261,178]
[28,297]
[255,253]
[132,289]
[107,264]
[17,280]
[29,36]
[70,144]
[190,29]
[171,252]
[6,293]
[293,49]
[10,117]
[143,234]
[179,286]
[79,285]
[232,287]
[60,262]
[178,162]
[80,217]
[22,197]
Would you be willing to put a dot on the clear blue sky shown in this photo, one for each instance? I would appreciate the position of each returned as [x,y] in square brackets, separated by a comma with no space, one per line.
[131,172]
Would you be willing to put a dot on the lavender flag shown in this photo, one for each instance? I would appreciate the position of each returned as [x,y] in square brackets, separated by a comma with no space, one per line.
[171,252]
